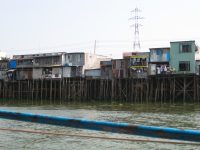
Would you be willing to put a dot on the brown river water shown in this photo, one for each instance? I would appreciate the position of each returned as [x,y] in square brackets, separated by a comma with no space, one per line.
[180,116]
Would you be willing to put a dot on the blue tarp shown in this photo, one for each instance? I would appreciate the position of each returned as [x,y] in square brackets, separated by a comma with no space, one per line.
[168,56]
[12,64]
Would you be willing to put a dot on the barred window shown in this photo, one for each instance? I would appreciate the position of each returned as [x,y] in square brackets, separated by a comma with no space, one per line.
[184,66]
[186,48]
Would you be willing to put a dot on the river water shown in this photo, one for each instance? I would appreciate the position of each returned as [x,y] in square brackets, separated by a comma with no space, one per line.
[180,116]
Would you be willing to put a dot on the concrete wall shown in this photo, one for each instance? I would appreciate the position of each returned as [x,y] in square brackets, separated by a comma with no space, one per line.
[92,61]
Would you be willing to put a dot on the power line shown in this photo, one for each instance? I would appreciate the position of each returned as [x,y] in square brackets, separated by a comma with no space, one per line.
[90,45]
[136,25]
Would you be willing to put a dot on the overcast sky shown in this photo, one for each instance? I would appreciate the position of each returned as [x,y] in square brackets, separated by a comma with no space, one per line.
[35,26]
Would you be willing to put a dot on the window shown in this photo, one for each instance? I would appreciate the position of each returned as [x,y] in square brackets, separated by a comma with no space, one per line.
[122,64]
[69,57]
[56,60]
[159,52]
[78,58]
[186,48]
[46,71]
[184,66]
[114,64]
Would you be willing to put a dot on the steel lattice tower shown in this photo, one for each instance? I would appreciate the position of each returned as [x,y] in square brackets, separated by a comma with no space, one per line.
[136,25]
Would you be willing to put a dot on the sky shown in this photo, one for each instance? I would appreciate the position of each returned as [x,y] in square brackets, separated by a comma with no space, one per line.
[39,26]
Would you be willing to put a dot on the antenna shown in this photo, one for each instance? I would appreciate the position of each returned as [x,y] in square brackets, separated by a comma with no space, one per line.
[95,45]
[136,25]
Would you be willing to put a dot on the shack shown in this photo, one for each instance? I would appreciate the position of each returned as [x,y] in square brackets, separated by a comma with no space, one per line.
[159,61]
[119,69]
[137,64]
[24,66]
[93,73]
[3,69]
[106,69]
[183,55]
[48,65]
[76,63]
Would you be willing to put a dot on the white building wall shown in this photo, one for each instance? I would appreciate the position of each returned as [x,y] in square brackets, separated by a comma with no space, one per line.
[2,54]
[83,61]
[92,61]
[57,72]
[66,72]
[37,73]
[63,60]
[152,69]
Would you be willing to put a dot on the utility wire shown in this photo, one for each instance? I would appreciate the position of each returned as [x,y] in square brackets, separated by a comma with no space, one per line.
[88,46]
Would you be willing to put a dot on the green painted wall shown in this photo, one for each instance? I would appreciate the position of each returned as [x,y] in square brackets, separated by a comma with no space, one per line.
[176,56]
